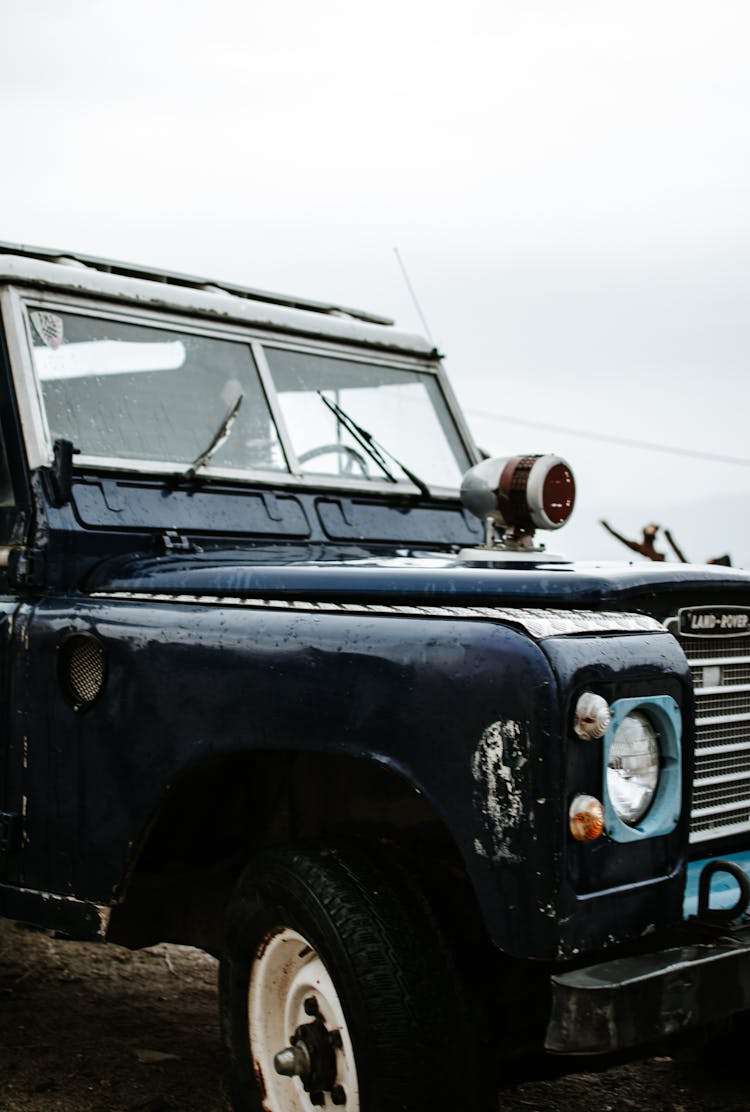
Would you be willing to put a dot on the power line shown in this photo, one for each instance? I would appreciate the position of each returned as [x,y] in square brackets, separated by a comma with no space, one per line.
[625,442]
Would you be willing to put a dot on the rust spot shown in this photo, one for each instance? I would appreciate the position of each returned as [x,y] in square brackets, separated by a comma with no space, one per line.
[260,1082]
[265,942]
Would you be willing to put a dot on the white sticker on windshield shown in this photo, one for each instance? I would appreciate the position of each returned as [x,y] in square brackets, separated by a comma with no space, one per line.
[48,327]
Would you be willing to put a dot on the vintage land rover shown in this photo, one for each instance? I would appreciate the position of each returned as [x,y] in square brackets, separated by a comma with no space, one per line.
[287,675]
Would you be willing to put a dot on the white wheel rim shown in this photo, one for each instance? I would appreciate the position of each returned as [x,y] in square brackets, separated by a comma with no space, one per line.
[286,972]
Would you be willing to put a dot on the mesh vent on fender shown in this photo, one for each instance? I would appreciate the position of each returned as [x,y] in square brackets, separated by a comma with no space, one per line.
[81,669]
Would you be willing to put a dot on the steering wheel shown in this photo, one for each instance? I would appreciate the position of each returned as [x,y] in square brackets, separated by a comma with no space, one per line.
[352,457]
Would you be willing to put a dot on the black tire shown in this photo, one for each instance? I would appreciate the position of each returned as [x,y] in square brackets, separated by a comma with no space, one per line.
[394,981]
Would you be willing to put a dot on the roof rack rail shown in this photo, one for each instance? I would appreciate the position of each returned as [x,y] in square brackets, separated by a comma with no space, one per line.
[174,278]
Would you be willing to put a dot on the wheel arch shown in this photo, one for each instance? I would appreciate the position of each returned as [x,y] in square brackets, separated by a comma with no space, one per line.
[220,813]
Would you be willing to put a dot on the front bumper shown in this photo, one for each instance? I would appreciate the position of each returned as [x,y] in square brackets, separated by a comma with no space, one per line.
[628,1001]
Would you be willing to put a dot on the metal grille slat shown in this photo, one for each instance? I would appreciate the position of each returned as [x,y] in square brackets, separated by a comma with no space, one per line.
[729,795]
[707,735]
[712,826]
[732,674]
[722,766]
[711,650]
[719,719]
[707,751]
[738,771]
[710,677]
[721,688]
[722,700]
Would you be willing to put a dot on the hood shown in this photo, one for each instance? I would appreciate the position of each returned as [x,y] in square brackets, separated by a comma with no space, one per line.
[655,588]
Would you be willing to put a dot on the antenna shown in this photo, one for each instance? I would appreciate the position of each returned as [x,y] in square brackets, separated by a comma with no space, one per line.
[410,288]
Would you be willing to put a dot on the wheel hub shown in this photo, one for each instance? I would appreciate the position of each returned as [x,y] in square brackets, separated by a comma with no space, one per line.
[298,1029]
[311,1056]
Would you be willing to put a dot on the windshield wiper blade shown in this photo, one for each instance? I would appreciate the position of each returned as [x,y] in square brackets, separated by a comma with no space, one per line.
[221,436]
[374,450]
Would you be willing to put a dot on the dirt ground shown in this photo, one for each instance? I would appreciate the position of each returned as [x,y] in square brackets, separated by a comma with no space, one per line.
[90,1028]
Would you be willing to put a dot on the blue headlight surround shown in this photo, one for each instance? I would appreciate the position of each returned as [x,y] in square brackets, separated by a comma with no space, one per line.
[664,813]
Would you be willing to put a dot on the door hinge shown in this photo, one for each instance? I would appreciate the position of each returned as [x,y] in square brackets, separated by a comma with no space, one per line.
[27,567]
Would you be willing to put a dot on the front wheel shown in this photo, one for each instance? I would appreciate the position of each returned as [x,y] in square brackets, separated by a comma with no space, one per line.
[336,992]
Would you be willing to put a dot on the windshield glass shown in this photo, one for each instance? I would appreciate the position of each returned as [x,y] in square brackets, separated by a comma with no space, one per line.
[403,409]
[120,390]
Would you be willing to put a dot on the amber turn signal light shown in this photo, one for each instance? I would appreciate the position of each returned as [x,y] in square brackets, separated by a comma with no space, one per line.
[586,816]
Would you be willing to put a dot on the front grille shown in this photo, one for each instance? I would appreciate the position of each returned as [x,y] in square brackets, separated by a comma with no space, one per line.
[721,790]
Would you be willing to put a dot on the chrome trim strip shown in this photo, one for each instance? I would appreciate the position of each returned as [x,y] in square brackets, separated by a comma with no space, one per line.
[538,623]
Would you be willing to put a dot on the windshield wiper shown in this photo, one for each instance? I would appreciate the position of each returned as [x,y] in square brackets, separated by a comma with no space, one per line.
[369,444]
[221,437]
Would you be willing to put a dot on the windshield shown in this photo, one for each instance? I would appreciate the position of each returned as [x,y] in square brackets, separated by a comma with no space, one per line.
[403,409]
[125,390]
[129,391]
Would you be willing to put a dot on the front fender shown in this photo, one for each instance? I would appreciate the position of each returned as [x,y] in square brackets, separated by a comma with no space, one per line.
[470,711]
[464,711]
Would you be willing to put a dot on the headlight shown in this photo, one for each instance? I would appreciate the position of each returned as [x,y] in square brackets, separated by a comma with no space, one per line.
[633,768]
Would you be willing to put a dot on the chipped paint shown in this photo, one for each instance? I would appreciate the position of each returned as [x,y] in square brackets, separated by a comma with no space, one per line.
[496,763]
[54,899]
[104,914]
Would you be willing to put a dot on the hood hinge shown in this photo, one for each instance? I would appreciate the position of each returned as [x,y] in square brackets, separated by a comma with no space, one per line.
[172,541]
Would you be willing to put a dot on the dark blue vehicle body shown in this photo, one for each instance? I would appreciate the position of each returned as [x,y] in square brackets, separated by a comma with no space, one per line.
[276,663]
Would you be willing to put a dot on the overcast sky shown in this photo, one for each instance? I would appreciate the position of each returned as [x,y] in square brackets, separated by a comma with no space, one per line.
[567,183]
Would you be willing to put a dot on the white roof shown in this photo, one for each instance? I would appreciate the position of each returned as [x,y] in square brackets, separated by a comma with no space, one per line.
[125,282]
